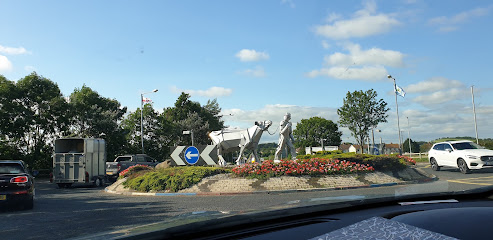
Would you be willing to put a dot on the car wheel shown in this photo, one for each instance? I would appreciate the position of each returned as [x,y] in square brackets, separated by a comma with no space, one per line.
[434,165]
[98,182]
[463,166]
[61,185]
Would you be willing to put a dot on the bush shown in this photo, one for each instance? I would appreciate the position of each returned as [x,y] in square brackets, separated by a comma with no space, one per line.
[379,162]
[171,179]
[132,170]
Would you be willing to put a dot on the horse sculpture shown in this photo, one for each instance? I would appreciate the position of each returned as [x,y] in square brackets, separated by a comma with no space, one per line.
[229,140]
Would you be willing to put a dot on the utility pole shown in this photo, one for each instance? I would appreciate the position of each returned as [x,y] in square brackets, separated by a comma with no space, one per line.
[474,111]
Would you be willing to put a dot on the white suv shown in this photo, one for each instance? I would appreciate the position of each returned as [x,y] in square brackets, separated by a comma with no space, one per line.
[464,155]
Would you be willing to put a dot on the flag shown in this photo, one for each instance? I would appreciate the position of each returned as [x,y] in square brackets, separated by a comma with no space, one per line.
[399,91]
[146,100]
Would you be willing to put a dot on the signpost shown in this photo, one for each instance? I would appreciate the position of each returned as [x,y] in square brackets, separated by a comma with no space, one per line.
[192,155]
[202,155]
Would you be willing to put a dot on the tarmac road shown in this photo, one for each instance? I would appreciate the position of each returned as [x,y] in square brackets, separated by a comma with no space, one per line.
[80,211]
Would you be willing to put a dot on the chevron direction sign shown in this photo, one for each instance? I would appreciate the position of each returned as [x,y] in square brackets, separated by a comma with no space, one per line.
[201,155]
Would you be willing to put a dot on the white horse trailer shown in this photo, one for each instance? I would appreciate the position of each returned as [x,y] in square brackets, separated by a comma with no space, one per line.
[79,160]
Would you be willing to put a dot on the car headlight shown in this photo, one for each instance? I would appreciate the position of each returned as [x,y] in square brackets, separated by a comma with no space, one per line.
[471,157]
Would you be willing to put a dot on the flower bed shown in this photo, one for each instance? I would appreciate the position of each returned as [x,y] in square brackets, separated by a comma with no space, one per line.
[299,167]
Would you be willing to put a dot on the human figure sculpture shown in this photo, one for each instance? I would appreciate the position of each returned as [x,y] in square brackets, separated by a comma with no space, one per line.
[285,138]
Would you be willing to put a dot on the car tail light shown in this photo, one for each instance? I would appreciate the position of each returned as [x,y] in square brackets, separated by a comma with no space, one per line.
[119,166]
[20,192]
[87,177]
[22,179]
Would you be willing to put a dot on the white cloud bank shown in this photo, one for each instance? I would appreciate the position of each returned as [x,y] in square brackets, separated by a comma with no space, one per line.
[250,55]
[5,64]
[438,90]
[257,72]
[365,22]
[12,50]
[448,24]
[212,92]
[358,64]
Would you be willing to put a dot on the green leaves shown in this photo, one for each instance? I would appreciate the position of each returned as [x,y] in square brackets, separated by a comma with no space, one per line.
[360,112]
[310,132]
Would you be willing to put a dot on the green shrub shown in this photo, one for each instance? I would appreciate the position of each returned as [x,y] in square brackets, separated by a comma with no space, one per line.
[171,179]
[307,156]
[379,162]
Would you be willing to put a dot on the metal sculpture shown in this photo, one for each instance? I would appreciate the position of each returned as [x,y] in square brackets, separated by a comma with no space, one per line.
[285,138]
[229,140]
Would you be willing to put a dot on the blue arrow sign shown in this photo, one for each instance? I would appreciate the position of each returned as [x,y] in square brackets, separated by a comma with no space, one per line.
[192,155]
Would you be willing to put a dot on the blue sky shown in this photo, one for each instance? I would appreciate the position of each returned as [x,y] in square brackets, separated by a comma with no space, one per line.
[261,59]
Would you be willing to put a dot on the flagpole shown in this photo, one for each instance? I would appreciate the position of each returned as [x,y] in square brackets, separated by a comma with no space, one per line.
[397,109]
[142,117]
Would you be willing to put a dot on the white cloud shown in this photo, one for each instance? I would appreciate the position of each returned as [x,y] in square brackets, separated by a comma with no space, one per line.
[5,64]
[358,64]
[366,73]
[441,97]
[433,84]
[290,3]
[363,23]
[447,24]
[373,56]
[12,50]
[256,72]
[212,92]
[325,44]
[250,55]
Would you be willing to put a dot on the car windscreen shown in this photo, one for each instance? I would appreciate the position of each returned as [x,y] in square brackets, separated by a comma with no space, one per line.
[466,145]
[10,168]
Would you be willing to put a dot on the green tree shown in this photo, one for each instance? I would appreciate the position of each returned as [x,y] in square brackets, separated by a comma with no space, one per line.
[44,115]
[310,132]
[425,147]
[414,146]
[95,116]
[158,133]
[360,112]
[11,119]
[191,116]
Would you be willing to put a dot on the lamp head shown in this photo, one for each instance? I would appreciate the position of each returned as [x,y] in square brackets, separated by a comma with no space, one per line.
[388,76]
[155,90]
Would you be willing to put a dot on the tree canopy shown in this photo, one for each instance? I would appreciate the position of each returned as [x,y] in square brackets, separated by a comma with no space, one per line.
[310,132]
[360,112]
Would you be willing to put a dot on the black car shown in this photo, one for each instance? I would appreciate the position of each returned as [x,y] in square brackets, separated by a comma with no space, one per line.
[16,184]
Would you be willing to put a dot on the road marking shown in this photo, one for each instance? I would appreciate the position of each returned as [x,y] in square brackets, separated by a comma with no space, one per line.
[482,184]
[483,181]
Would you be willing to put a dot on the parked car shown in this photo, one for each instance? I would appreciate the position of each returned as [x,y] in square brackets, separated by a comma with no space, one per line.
[464,155]
[121,163]
[16,184]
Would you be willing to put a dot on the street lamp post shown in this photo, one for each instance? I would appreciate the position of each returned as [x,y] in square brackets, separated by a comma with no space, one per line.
[142,117]
[189,132]
[397,109]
